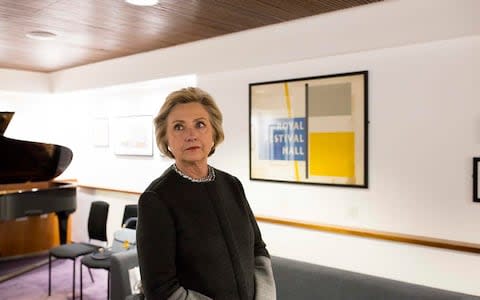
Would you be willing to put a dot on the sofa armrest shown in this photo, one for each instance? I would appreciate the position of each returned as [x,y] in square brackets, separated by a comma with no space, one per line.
[121,263]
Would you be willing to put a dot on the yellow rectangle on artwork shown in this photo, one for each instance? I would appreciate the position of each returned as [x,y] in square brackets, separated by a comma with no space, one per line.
[331,154]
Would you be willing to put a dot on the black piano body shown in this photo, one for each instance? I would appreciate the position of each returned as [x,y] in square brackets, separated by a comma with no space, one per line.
[38,198]
[26,173]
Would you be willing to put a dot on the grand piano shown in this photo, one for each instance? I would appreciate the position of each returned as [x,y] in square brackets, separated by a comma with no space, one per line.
[26,186]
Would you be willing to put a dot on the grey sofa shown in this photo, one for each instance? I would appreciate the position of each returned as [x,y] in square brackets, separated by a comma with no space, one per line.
[297,280]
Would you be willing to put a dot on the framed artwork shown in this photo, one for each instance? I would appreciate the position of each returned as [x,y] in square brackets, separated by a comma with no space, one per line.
[476,179]
[132,135]
[310,130]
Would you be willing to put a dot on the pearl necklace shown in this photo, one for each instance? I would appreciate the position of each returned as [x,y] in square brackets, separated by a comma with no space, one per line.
[210,176]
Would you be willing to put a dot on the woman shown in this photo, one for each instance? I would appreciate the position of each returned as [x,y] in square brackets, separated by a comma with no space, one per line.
[196,236]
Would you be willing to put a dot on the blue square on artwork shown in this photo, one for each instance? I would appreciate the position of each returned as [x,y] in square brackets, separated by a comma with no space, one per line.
[286,140]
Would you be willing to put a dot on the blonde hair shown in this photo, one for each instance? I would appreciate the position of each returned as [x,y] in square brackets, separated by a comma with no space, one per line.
[184,96]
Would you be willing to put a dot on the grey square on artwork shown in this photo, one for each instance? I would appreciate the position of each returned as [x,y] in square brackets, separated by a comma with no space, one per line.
[329,100]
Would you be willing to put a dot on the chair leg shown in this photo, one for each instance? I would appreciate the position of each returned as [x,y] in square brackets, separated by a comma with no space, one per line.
[81,281]
[73,286]
[90,272]
[49,274]
[108,285]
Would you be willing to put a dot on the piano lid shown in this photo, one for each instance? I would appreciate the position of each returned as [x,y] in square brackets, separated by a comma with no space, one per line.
[5,118]
[24,161]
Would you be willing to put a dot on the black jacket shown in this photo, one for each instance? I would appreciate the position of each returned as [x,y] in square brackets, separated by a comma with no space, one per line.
[199,236]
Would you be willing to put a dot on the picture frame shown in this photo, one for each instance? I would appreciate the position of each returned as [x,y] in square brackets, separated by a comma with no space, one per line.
[133,135]
[311,130]
[476,179]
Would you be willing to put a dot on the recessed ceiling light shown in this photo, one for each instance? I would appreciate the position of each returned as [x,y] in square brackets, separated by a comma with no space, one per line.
[41,35]
[142,2]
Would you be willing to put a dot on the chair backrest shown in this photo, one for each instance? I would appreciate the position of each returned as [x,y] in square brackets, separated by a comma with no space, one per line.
[130,213]
[97,221]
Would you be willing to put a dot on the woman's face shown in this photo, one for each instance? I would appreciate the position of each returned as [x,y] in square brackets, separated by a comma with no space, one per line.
[189,133]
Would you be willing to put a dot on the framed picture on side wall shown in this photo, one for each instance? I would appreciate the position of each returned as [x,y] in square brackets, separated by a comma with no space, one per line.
[476,179]
[132,135]
[310,130]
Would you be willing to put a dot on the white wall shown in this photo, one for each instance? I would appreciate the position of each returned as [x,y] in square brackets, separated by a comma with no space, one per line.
[24,81]
[424,130]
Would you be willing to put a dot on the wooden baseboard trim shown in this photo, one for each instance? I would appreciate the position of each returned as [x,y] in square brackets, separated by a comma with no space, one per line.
[374,234]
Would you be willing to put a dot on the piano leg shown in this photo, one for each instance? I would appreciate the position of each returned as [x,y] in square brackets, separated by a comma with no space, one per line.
[63,225]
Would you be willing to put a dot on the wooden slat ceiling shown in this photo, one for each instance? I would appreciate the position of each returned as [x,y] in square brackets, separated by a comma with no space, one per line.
[95,30]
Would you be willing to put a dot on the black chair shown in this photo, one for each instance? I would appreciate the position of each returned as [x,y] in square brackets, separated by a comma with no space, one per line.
[130,212]
[97,230]
[102,260]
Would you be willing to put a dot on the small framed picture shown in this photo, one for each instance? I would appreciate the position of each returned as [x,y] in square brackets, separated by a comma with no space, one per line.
[476,179]
[133,135]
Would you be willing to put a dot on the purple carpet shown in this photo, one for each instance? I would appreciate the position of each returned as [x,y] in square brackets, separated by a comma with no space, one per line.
[33,285]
